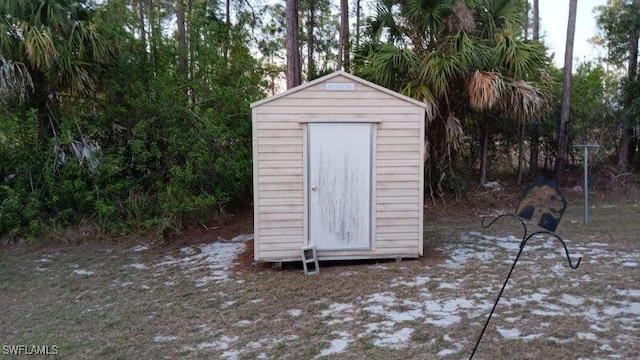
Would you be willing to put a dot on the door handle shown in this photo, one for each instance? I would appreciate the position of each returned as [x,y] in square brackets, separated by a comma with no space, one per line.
[315,188]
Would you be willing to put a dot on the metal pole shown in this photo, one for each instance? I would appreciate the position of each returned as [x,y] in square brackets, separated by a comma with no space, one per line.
[586,179]
[586,185]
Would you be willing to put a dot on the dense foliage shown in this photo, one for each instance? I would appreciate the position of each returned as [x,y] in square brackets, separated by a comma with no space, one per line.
[134,114]
[129,140]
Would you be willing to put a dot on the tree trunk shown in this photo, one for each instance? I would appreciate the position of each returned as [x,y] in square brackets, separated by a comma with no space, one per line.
[521,153]
[293,52]
[358,24]
[343,54]
[563,129]
[182,40]
[225,43]
[485,151]
[535,133]
[624,153]
[143,30]
[191,46]
[536,20]
[311,25]
[154,35]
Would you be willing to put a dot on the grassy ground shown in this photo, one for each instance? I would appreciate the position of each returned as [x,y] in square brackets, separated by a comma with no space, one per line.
[100,300]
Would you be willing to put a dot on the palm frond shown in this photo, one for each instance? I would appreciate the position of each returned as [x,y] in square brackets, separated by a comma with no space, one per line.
[420,91]
[383,26]
[496,16]
[485,89]
[426,15]
[460,19]
[390,66]
[520,59]
[440,70]
[15,79]
[40,47]
[453,132]
[524,101]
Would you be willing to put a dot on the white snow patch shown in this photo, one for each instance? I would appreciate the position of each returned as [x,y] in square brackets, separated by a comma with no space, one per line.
[571,300]
[45,259]
[242,238]
[227,304]
[623,307]
[447,286]
[231,355]
[417,281]
[138,248]
[164,338]
[188,250]
[630,264]
[560,341]
[372,328]
[385,298]
[587,336]
[629,292]
[599,244]
[82,272]
[221,344]
[138,266]
[447,312]
[337,345]
[337,308]
[514,334]
[394,340]
[294,312]
[218,257]
[598,328]
[457,346]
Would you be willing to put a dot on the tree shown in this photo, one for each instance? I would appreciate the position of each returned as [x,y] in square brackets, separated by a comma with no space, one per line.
[563,131]
[620,26]
[343,43]
[294,68]
[49,48]
[535,134]
[311,25]
[463,62]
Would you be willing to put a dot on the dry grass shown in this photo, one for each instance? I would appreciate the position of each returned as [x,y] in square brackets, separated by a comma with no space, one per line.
[105,301]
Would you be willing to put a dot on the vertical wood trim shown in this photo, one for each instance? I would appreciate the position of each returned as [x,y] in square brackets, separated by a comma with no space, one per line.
[421,118]
[374,196]
[256,197]
[305,184]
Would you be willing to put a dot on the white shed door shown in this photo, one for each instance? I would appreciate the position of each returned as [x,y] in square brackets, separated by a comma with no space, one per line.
[339,163]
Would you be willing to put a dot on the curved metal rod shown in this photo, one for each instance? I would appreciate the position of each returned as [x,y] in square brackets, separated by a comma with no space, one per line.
[566,251]
[524,242]
[524,227]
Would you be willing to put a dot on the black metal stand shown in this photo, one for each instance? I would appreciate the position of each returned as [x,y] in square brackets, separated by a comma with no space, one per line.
[525,238]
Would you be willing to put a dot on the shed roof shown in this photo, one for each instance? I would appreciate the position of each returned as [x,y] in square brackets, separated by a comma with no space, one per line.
[336,74]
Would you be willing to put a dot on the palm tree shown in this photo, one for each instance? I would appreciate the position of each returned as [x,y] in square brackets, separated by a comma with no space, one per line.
[462,61]
[49,47]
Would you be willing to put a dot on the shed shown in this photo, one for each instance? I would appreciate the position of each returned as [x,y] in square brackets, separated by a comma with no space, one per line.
[338,164]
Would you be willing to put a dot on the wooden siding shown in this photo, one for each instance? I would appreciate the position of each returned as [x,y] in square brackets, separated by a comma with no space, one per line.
[279,141]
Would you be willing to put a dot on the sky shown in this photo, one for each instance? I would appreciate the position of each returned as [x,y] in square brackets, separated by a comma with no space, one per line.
[553,27]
